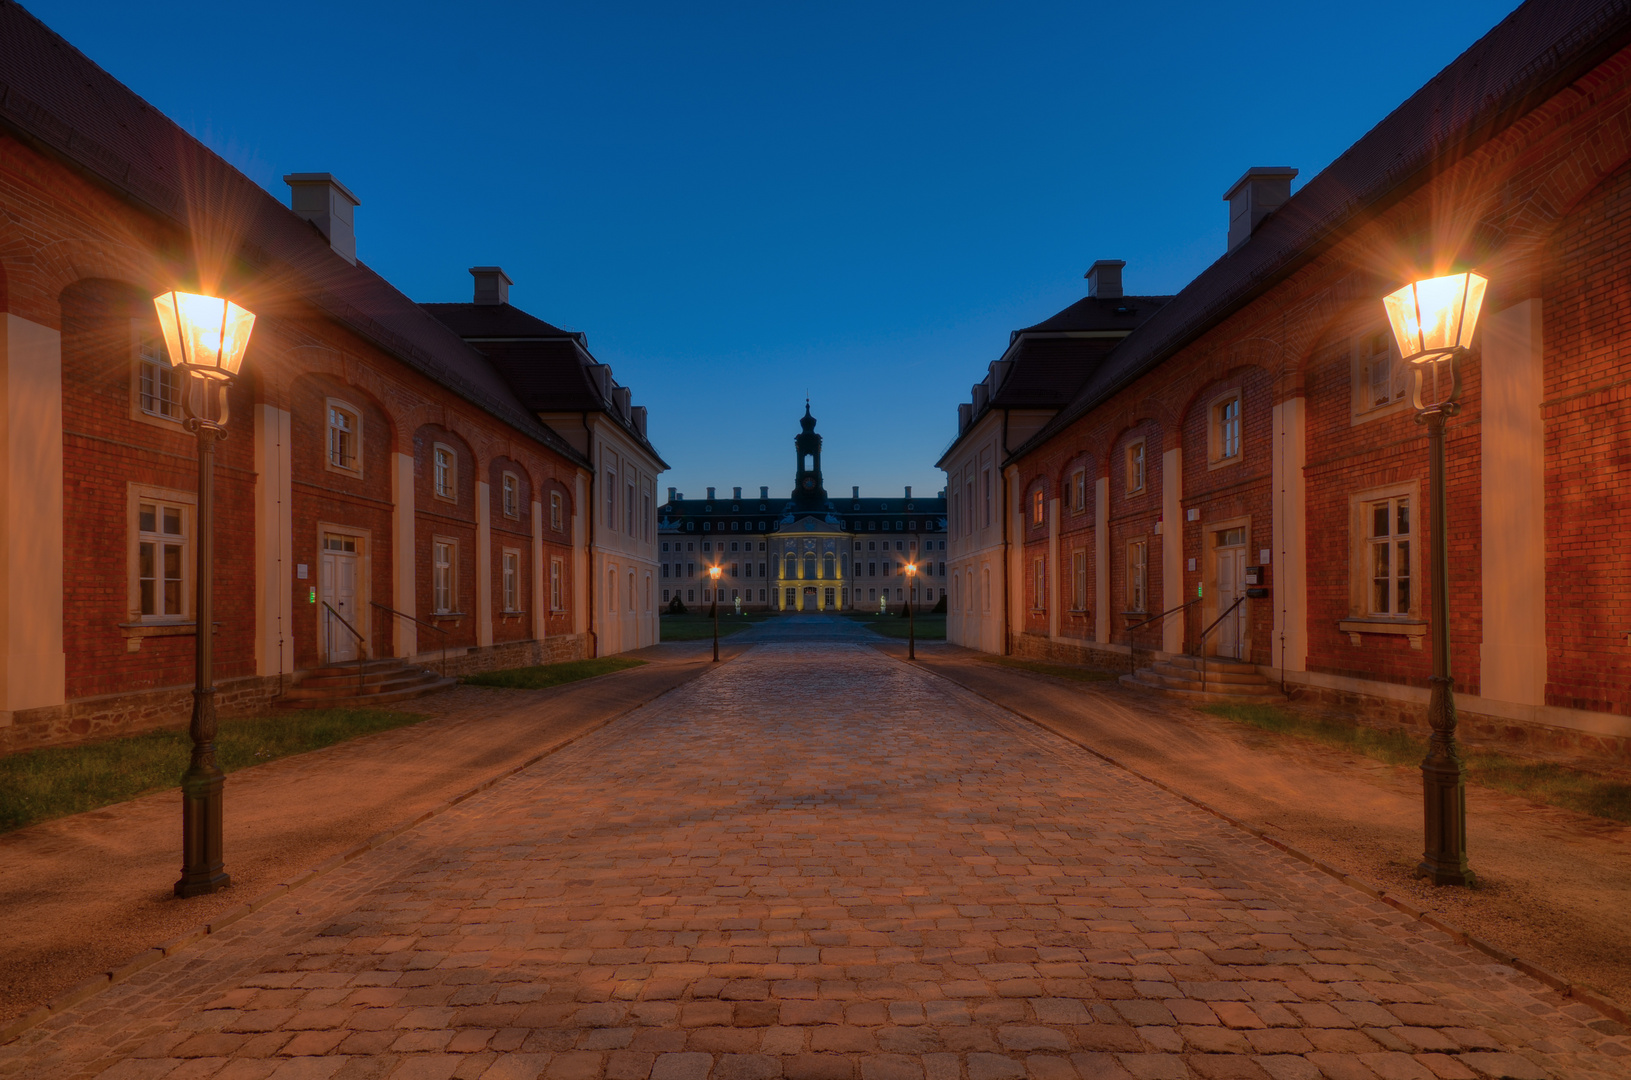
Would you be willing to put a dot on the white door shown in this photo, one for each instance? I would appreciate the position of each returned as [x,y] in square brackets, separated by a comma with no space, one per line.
[1230,635]
[339,591]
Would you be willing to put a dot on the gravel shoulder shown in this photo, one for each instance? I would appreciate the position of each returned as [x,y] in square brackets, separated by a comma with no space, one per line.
[86,893]
[1554,885]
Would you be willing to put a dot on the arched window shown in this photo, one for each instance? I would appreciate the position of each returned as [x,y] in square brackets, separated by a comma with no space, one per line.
[827,568]
[792,567]
[809,566]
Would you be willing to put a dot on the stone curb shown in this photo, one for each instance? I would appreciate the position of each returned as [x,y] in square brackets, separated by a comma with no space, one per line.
[1609,1008]
[91,987]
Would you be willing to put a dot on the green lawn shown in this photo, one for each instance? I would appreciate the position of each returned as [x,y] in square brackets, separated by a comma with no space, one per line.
[1061,671]
[697,626]
[540,676]
[1541,781]
[37,785]
[929,627]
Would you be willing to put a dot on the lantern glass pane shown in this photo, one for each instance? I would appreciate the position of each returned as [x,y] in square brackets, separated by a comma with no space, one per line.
[204,333]
[1436,315]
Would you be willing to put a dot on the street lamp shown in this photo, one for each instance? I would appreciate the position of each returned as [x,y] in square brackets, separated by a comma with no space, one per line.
[911,618]
[206,337]
[1433,321]
[713,572]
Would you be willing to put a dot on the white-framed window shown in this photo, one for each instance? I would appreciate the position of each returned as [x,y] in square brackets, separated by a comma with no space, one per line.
[158,385]
[161,566]
[1224,436]
[555,511]
[1078,580]
[1381,380]
[645,514]
[630,592]
[557,573]
[344,438]
[985,485]
[444,573]
[1138,575]
[1135,471]
[1078,490]
[445,466]
[1389,538]
[1039,585]
[985,588]
[611,490]
[512,495]
[512,580]
[628,513]
[1039,511]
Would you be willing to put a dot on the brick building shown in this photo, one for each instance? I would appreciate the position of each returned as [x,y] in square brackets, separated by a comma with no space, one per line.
[1258,423]
[379,472]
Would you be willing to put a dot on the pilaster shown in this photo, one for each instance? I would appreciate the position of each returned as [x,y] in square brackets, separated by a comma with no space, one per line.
[274,532]
[540,594]
[404,556]
[484,563]
[1101,560]
[1172,549]
[1288,576]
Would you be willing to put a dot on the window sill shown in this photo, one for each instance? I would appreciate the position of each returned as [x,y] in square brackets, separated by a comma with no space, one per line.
[136,631]
[1415,629]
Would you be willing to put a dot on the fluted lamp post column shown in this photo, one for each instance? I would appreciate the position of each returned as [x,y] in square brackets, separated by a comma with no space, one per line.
[713,573]
[206,337]
[1433,321]
[911,615]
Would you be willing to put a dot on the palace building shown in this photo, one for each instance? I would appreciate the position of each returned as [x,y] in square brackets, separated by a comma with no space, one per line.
[808,552]
[1239,471]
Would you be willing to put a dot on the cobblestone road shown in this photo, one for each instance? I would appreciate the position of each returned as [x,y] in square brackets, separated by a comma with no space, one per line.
[818,862]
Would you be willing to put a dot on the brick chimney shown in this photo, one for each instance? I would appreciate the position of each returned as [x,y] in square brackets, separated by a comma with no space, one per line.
[736,493]
[855,492]
[1254,197]
[492,285]
[325,202]
[908,491]
[671,495]
[764,492]
[1104,278]
[710,494]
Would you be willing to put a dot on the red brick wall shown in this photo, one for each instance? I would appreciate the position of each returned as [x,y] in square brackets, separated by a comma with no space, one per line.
[456,520]
[1587,312]
[515,533]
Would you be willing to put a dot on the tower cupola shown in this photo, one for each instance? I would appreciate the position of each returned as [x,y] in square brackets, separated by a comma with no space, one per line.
[809,493]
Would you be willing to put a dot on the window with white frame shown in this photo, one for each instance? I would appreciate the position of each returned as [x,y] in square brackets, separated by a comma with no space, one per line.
[611,490]
[628,514]
[985,588]
[512,580]
[1135,470]
[1138,575]
[1078,580]
[1225,429]
[556,572]
[555,510]
[445,463]
[344,438]
[1389,542]
[444,575]
[1380,379]
[1078,491]
[512,495]
[158,385]
[161,563]
[1039,585]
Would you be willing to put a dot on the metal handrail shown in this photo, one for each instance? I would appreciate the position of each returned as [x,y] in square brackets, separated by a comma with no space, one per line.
[1132,664]
[361,653]
[421,622]
[1200,645]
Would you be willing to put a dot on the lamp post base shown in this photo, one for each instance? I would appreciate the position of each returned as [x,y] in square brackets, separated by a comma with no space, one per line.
[202,868]
[1444,795]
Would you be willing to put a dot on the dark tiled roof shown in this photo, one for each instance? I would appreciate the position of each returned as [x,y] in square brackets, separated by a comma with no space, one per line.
[54,96]
[548,367]
[1101,313]
[1528,57]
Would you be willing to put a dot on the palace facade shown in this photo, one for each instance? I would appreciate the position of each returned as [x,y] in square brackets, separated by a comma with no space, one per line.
[1252,438]
[388,490]
[808,552]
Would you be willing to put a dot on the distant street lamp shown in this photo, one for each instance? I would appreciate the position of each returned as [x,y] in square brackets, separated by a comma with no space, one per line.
[911,618]
[206,337]
[1433,321]
[713,572]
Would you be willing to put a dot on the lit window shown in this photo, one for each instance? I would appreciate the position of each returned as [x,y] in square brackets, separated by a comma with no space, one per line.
[1135,470]
[1037,510]
[1390,556]
[161,560]
[344,438]
[447,472]
[512,581]
[512,495]
[442,574]
[158,385]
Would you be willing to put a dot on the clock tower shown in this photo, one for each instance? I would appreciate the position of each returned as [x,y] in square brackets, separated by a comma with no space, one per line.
[809,494]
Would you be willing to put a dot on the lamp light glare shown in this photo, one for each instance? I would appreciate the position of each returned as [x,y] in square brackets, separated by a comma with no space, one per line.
[1435,317]
[205,335]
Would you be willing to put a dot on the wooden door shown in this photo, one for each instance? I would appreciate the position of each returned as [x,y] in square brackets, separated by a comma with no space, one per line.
[339,591]
[1229,639]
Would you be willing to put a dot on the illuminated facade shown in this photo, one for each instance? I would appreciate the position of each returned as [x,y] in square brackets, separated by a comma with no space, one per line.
[807,552]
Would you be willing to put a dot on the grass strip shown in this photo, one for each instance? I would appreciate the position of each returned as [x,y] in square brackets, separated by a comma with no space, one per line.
[1061,671]
[693,627]
[540,676]
[37,785]
[929,627]
[1547,782]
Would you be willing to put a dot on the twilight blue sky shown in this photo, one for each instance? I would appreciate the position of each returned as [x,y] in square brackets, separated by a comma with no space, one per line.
[742,202]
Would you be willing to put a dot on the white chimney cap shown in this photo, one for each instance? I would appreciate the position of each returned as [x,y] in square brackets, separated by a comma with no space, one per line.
[328,204]
[492,285]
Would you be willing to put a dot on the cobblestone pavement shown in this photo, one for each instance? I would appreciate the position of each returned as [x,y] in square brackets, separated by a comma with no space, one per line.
[818,862]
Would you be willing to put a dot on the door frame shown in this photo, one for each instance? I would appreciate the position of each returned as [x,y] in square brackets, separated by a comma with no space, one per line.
[365,566]
[1210,605]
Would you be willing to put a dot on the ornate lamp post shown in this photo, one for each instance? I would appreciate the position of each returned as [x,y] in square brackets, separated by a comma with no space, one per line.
[206,337]
[1433,321]
[713,573]
[911,617]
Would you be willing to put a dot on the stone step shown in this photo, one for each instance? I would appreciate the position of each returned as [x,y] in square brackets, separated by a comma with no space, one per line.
[1213,663]
[1212,674]
[297,698]
[1211,694]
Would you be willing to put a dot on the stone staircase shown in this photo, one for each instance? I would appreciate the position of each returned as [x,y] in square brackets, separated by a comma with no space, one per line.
[1225,680]
[382,682]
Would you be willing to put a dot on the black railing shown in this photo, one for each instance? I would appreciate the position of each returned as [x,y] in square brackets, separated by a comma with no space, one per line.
[1200,647]
[362,654]
[1132,664]
[421,622]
